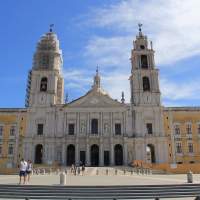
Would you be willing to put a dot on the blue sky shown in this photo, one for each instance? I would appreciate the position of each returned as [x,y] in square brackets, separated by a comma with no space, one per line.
[100,33]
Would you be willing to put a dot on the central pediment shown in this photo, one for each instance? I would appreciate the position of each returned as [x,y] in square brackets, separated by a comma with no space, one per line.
[95,98]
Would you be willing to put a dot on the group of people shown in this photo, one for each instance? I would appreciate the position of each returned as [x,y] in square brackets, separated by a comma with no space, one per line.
[25,170]
[77,170]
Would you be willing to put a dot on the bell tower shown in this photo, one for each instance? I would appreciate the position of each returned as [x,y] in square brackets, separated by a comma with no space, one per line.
[144,75]
[45,85]
[147,113]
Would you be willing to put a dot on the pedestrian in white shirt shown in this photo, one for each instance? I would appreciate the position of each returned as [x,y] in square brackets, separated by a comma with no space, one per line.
[29,170]
[22,171]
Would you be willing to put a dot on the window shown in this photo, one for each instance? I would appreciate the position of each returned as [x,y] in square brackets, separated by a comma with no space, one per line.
[43,84]
[10,149]
[198,129]
[149,128]
[146,84]
[190,147]
[144,62]
[1,131]
[176,129]
[12,131]
[178,148]
[118,129]
[189,128]
[142,47]
[71,129]
[40,129]
[94,126]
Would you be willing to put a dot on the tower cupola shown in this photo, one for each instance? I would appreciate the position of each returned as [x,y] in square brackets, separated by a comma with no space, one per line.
[48,54]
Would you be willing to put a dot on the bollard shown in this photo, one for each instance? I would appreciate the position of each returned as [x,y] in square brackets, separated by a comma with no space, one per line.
[106,171]
[116,172]
[62,178]
[137,170]
[43,171]
[97,172]
[50,171]
[131,172]
[57,171]
[124,172]
[142,171]
[190,177]
[38,172]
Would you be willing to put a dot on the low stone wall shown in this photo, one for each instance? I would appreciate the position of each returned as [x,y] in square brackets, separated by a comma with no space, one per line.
[178,168]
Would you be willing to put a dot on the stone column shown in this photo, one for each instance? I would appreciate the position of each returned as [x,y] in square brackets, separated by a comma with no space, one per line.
[125,152]
[77,154]
[88,154]
[101,163]
[112,154]
[63,155]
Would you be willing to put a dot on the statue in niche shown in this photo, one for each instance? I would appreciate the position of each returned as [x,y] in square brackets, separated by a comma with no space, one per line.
[106,128]
[83,127]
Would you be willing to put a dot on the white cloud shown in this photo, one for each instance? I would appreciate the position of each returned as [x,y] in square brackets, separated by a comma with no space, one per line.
[175,91]
[109,52]
[174,26]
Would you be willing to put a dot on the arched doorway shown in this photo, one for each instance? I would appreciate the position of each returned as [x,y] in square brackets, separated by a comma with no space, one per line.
[118,154]
[70,154]
[38,154]
[150,150]
[94,155]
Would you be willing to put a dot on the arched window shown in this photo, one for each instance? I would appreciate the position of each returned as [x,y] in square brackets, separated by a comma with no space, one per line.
[43,84]
[146,84]
[94,126]
[144,62]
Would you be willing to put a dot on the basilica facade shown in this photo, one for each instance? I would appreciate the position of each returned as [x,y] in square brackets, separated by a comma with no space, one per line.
[94,129]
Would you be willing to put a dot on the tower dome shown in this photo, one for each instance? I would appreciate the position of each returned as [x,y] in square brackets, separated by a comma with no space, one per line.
[48,54]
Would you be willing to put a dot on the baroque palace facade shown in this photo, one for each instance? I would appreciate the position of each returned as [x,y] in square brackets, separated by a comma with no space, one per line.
[95,129]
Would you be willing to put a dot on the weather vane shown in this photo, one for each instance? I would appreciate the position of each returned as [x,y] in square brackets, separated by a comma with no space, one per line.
[97,69]
[51,27]
[140,27]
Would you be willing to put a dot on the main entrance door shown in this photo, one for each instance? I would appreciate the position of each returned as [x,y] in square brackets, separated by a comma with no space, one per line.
[106,158]
[94,155]
[70,154]
[38,154]
[82,157]
[150,150]
[118,155]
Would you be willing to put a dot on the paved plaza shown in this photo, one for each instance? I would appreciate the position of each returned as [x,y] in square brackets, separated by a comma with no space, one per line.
[93,179]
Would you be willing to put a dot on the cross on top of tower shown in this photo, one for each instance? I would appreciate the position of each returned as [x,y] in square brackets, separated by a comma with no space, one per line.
[51,27]
[140,29]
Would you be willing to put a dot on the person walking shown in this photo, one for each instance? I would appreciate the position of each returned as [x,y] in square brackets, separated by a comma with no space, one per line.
[83,169]
[22,171]
[29,170]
